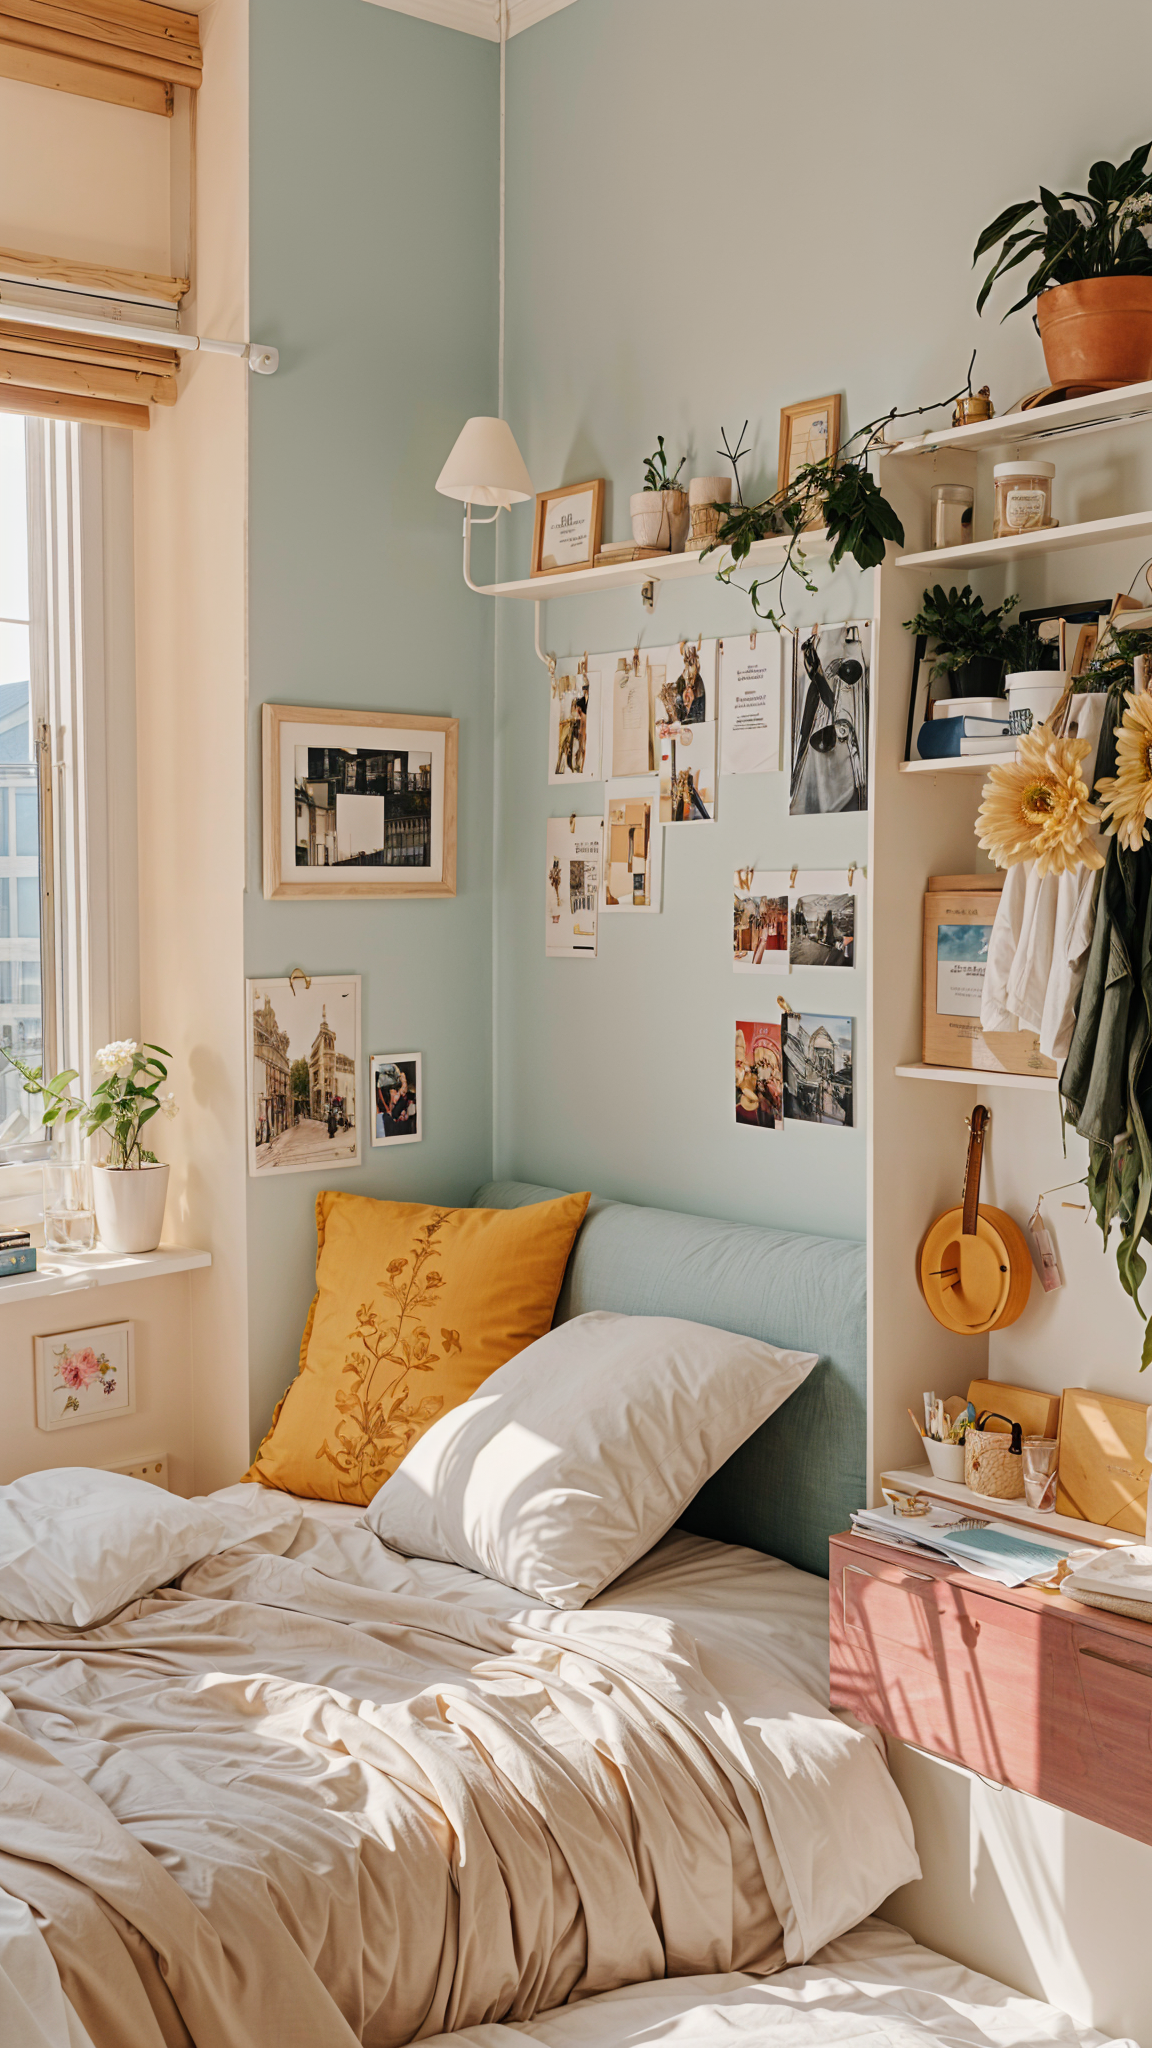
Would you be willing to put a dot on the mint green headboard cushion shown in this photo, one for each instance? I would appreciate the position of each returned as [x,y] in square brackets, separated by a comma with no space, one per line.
[800,1475]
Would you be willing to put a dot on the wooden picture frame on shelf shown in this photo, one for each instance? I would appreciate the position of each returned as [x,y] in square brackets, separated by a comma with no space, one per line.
[568,528]
[809,432]
[358,803]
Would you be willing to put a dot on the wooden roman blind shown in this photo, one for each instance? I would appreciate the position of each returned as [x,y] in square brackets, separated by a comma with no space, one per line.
[131,52]
[64,375]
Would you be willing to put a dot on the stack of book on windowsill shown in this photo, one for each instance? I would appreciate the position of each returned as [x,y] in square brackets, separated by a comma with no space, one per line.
[17,1253]
[992,1550]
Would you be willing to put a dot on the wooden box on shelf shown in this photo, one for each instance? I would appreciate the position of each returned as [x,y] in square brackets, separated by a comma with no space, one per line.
[959,912]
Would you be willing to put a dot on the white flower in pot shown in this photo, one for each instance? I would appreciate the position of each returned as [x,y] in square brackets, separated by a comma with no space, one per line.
[660,511]
[130,1187]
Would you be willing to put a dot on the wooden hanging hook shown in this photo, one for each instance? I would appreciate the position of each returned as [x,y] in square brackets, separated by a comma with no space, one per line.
[305,978]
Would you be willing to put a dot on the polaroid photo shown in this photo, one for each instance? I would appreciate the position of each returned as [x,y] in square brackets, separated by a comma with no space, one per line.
[574,723]
[759,1077]
[396,1096]
[633,845]
[760,921]
[818,1082]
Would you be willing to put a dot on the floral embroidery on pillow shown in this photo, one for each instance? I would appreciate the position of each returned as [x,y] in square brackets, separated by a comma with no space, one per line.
[380,1415]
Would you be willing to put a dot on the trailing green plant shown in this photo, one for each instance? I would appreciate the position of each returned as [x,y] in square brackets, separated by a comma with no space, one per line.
[656,476]
[962,629]
[1102,232]
[122,1103]
[838,494]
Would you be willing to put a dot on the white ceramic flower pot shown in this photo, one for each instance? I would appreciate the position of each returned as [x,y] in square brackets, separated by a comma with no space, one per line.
[710,490]
[650,528]
[129,1203]
[1037,690]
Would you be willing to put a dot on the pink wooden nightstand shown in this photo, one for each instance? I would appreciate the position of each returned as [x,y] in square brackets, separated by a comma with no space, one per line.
[1027,1688]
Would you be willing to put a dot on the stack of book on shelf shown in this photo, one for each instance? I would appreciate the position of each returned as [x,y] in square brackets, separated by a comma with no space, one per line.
[992,1550]
[965,725]
[17,1253]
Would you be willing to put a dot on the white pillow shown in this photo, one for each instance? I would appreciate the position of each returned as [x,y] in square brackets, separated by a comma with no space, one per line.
[76,1544]
[574,1458]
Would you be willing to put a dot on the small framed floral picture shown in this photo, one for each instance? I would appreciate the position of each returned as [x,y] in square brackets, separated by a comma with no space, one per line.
[84,1376]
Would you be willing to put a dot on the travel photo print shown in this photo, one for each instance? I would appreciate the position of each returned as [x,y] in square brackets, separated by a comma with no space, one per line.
[759,1076]
[783,919]
[818,1069]
[303,1063]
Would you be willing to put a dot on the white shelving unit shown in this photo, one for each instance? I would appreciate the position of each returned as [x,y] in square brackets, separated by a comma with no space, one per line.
[960,764]
[976,1077]
[1049,540]
[764,554]
[920,1479]
[1102,412]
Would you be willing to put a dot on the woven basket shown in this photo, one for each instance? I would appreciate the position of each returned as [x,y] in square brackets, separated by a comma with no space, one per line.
[990,1467]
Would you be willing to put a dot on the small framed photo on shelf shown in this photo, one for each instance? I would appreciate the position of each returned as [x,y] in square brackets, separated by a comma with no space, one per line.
[568,527]
[397,1105]
[358,803]
[84,1376]
[809,432]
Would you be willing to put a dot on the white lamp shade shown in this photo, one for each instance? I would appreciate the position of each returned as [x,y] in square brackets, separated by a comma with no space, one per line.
[485,466]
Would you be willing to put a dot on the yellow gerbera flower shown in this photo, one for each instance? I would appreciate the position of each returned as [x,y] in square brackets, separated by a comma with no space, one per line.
[1128,793]
[1037,807]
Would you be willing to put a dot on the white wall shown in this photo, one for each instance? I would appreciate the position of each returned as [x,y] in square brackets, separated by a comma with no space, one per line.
[191,653]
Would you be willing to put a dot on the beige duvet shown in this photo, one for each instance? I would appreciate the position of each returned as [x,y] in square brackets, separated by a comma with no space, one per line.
[320,1794]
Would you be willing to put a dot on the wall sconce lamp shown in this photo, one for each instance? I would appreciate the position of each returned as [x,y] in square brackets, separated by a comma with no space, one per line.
[484,468]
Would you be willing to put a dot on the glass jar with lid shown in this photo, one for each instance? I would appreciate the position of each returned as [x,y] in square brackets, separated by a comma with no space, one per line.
[1023,497]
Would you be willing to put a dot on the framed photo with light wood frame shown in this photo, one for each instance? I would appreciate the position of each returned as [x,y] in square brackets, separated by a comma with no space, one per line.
[809,432]
[358,803]
[568,526]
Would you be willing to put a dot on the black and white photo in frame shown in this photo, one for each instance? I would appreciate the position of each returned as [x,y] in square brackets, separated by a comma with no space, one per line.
[395,1093]
[358,803]
[303,1064]
[829,719]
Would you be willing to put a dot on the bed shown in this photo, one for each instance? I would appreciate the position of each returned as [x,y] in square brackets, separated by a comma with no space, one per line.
[316,1792]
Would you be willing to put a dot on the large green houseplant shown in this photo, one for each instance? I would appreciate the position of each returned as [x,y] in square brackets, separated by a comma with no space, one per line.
[1092,272]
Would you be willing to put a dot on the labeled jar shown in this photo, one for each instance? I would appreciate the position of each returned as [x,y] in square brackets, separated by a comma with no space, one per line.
[951,522]
[1023,497]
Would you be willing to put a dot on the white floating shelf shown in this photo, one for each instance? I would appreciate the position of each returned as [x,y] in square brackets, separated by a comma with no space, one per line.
[1101,412]
[957,764]
[79,1272]
[919,1479]
[765,554]
[977,1077]
[1048,540]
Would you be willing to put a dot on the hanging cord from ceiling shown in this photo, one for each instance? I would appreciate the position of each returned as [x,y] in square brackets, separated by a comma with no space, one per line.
[502,6]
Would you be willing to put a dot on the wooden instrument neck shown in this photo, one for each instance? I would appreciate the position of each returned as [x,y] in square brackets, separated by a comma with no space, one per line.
[978,1128]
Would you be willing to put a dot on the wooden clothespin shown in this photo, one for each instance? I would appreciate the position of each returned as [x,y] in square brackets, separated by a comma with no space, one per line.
[752,640]
[786,1006]
[792,878]
[571,821]
[851,872]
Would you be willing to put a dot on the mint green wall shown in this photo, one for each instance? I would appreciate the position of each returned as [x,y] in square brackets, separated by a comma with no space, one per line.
[715,208]
[374,181]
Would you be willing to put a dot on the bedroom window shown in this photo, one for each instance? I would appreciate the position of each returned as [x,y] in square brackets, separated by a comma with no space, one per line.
[67,758]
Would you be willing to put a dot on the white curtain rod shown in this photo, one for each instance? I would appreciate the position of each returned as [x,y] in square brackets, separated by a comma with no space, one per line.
[263,360]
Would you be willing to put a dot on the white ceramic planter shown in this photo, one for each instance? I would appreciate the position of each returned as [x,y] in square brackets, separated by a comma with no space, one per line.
[704,494]
[660,519]
[129,1203]
[1037,690]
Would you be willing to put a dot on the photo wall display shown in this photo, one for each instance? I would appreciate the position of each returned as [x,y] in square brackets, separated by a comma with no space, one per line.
[828,751]
[751,689]
[800,917]
[574,721]
[798,1069]
[572,892]
[633,848]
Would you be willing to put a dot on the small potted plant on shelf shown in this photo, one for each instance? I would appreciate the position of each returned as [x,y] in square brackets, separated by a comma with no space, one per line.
[972,648]
[660,510]
[1092,281]
[130,1187]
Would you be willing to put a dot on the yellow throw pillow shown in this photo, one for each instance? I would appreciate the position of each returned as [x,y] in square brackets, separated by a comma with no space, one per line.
[414,1307]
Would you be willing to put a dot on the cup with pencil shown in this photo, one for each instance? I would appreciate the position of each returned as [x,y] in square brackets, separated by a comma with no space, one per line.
[945,1425]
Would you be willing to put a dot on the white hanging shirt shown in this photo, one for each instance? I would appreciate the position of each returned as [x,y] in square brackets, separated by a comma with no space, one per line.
[1038,949]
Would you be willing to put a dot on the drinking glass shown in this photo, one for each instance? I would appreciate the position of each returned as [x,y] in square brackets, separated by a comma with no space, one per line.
[69,1217]
[1040,1473]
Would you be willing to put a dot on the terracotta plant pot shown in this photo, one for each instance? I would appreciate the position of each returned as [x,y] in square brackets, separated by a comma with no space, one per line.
[659,519]
[129,1203]
[1098,331]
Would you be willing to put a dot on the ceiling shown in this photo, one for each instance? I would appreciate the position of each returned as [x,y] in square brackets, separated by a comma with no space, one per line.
[478,17]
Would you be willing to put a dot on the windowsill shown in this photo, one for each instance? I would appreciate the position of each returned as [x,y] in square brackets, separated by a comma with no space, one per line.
[77,1272]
